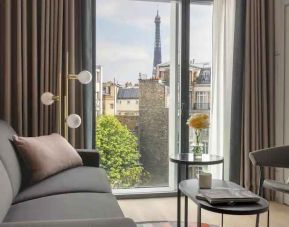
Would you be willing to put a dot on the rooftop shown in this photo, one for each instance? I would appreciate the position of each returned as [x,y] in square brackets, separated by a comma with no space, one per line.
[204,76]
[128,93]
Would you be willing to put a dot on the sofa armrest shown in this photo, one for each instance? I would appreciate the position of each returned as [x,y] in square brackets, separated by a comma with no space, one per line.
[89,157]
[112,222]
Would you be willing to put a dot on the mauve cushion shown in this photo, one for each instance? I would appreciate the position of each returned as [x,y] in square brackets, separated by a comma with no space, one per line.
[46,155]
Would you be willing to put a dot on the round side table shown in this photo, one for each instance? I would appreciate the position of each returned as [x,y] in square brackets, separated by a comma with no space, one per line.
[186,160]
[191,189]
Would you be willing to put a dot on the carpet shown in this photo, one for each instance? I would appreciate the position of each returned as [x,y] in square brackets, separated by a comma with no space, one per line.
[169,224]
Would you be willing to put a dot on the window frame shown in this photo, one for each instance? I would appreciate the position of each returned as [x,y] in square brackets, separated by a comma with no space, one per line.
[180,94]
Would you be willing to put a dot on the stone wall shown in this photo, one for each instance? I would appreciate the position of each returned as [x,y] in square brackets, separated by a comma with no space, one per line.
[130,121]
[153,131]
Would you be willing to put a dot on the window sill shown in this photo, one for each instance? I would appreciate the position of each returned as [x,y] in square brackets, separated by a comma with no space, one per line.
[138,193]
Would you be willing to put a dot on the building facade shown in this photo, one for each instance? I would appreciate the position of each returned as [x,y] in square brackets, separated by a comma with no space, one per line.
[199,92]
[127,107]
[154,130]
[109,96]
[127,103]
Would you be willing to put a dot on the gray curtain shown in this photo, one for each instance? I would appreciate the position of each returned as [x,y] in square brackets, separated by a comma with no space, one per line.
[82,51]
[237,88]
[253,99]
[86,24]
[36,36]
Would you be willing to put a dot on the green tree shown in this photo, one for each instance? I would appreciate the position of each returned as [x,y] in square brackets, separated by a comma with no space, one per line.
[118,151]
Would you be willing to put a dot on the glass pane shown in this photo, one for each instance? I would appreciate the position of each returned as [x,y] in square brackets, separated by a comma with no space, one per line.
[133,40]
[200,67]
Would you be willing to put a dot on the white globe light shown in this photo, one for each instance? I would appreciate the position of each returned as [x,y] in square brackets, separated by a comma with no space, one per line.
[84,77]
[73,121]
[47,98]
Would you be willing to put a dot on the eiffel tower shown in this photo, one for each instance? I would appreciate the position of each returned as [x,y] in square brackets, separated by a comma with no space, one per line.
[157,48]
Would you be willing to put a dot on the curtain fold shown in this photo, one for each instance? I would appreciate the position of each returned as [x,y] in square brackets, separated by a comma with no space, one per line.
[256,110]
[85,60]
[36,36]
[87,63]
[223,34]
[237,87]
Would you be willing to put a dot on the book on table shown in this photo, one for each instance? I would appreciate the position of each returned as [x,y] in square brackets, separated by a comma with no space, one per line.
[227,196]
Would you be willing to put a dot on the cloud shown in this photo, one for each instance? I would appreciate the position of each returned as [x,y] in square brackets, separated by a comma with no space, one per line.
[114,52]
[133,13]
[123,62]
[201,33]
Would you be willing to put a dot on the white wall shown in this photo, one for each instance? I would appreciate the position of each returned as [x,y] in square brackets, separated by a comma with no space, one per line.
[127,105]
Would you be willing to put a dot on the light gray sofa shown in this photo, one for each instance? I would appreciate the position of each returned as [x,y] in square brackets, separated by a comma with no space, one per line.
[79,197]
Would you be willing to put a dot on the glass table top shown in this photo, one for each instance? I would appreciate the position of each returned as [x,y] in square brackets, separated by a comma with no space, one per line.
[189,158]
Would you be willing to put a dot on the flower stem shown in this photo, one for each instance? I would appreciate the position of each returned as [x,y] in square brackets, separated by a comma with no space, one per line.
[197,148]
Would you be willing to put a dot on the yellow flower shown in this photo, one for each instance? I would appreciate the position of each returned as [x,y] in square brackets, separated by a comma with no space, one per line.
[199,121]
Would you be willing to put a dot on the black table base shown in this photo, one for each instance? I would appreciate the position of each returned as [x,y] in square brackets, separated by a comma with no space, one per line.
[186,160]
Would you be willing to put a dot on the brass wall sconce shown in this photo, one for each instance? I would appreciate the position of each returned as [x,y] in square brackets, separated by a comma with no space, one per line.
[47,98]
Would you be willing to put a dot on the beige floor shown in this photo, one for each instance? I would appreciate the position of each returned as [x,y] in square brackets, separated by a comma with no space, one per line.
[165,209]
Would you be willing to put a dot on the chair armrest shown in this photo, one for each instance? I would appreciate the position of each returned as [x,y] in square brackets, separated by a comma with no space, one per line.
[89,157]
[112,222]
[272,157]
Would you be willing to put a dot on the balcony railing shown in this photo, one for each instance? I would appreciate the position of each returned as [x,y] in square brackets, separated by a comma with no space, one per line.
[201,106]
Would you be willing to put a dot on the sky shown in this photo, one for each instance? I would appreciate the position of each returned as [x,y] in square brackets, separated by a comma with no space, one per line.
[125,33]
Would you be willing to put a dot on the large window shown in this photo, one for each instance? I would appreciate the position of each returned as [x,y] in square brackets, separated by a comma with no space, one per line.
[138,53]
[133,48]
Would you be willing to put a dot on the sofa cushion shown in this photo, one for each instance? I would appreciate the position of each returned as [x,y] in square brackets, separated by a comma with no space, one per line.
[66,206]
[99,222]
[6,193]
[79,179]
[46,155]
[9,157]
